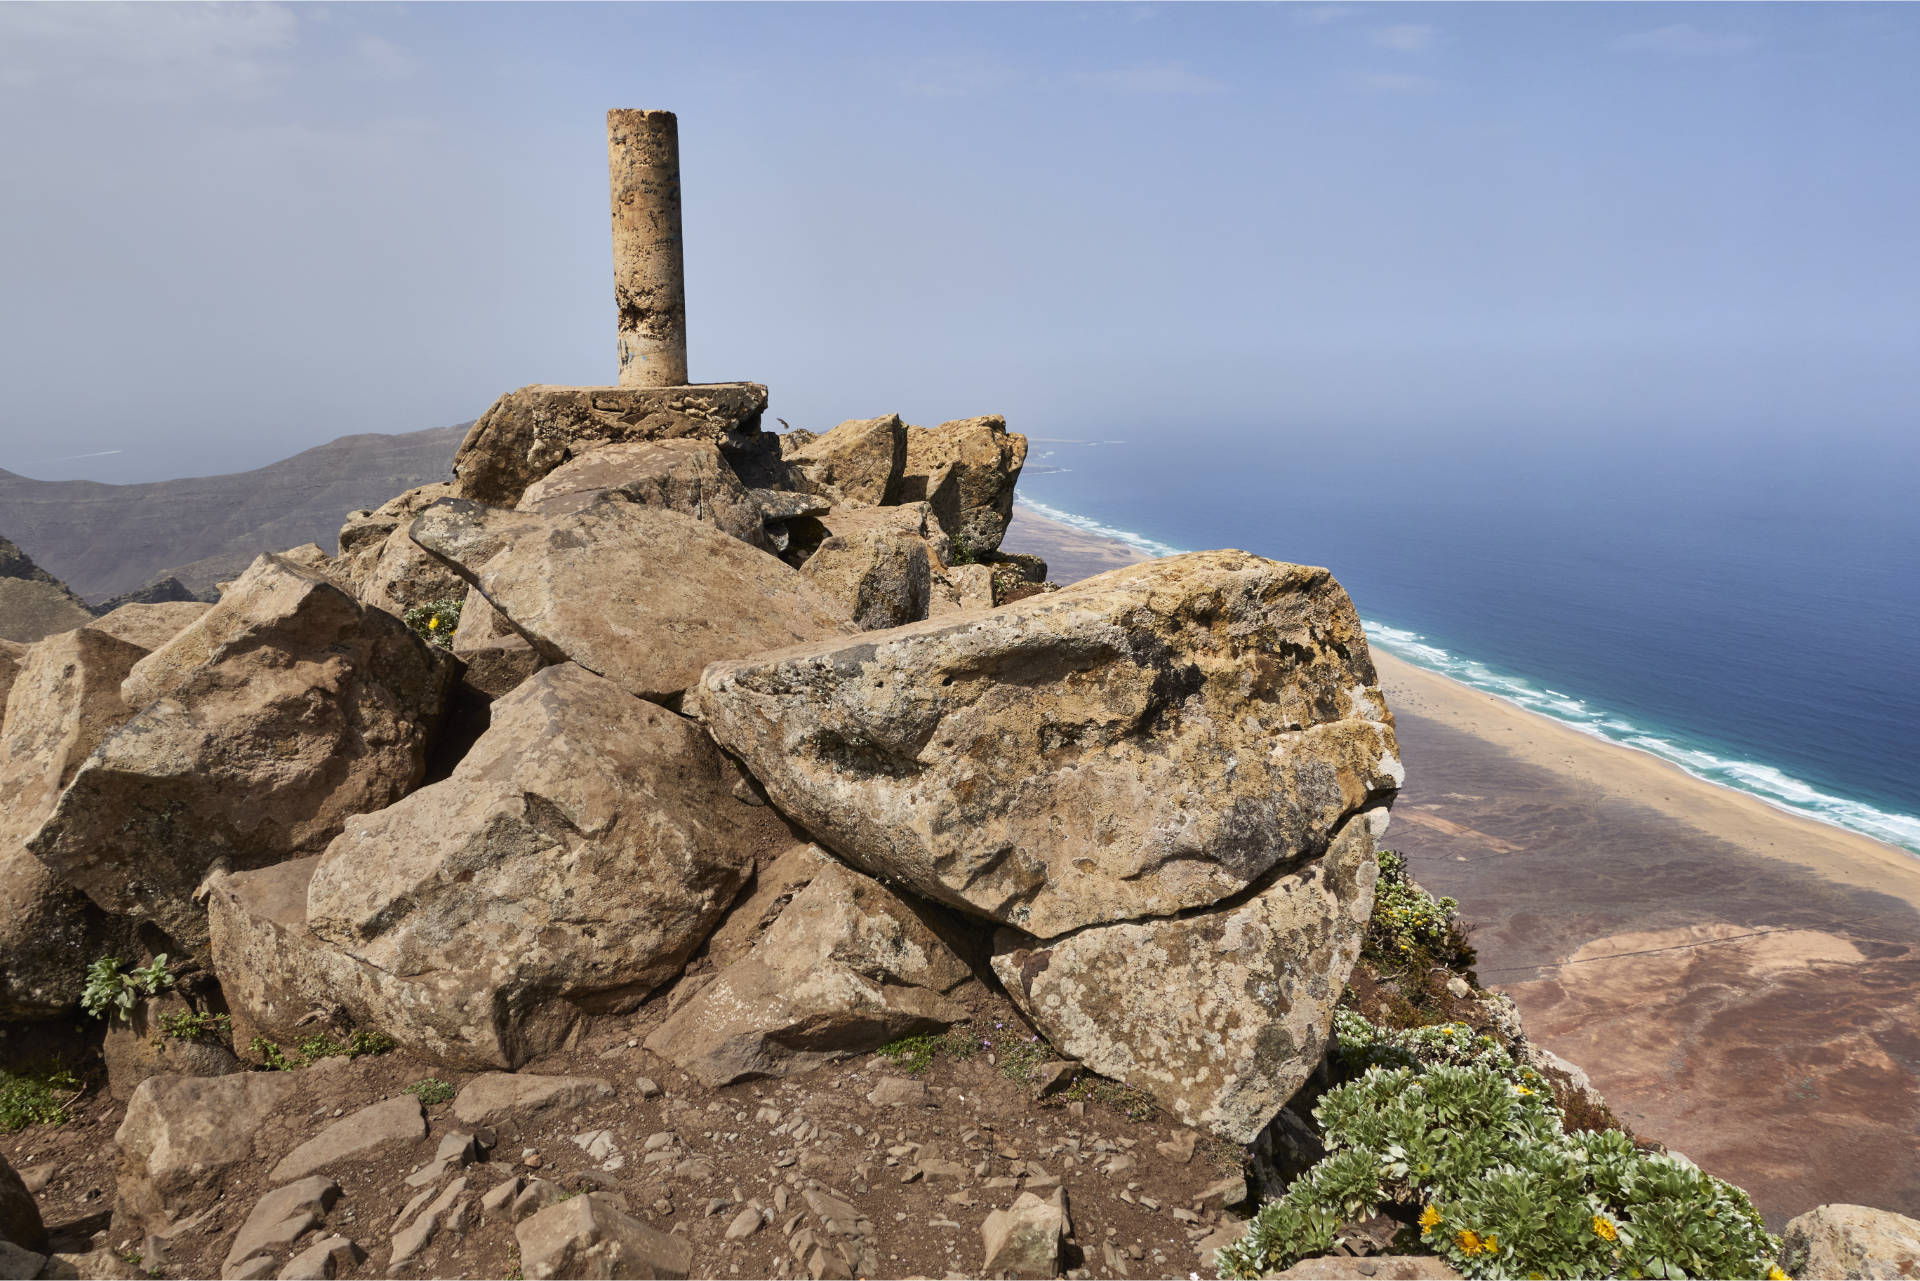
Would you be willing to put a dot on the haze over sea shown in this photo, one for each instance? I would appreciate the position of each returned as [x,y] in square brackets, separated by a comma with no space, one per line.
[1749,613]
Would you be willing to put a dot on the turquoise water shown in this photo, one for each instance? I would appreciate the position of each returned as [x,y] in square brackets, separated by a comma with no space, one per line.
[1750,620]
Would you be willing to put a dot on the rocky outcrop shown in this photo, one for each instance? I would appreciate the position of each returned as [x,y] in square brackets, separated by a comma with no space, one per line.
[881,579]
[1151,741]
[581,850]
[966,471]
[846,968]
[65,699]
[33,603]
[642,596]
[1219,1015]
[382,565]
[530,432]
[1853,1241]
[686,476]
[264,725]
[149,625]
[857,464]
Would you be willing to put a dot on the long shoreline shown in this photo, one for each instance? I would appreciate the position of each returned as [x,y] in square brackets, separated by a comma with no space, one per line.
[1731,815]
[1728,813]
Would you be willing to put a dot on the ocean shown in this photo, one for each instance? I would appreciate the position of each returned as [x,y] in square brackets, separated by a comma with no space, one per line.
[1748,611]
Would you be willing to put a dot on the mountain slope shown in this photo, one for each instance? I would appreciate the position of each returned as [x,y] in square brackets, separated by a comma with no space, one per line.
[107,539]
[33,603]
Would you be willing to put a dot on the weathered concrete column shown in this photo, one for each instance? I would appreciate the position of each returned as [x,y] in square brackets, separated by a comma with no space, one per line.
[649,270]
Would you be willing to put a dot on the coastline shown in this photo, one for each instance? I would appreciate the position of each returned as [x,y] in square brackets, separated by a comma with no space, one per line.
[1742,983]
[1723,812]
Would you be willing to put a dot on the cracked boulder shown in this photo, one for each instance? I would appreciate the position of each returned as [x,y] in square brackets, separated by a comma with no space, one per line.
[65,699]
[580,851]
[642,596]
[528,433]
[847,967]
[965,470]
[380,563]
[1150,741]
[1219,1015]
[263,727]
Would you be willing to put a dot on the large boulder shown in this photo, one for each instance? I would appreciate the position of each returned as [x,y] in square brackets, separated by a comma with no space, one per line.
[575,857]
[184,1138]
[138,1046]
[400,576]
[966,471]
[857,464]
[1150,741]
[686,476]
[640,595]
[846,968]
[527,433]
[264,726]
[1219,1015]
[1853,1241]
[20,1222]
[64,700]
[149,624]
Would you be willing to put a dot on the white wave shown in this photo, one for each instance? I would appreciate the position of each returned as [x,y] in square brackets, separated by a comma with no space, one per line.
[1139,542]
[1765,782]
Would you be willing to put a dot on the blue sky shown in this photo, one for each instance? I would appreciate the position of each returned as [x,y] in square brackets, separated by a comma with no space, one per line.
[238,231]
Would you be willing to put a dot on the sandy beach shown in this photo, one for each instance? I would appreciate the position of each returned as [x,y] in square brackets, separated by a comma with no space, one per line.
[1743,984]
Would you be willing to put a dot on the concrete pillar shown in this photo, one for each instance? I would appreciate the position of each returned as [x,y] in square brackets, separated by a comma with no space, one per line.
[649,271]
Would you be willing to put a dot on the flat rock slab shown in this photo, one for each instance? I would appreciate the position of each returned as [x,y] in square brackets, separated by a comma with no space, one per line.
[150,625]
[390,1121]
[281,1215]
[846,968]
[686,476]
[528,433]
[643,596]
[496,1098]
[1150,741]
[1220,1016]
[263,726]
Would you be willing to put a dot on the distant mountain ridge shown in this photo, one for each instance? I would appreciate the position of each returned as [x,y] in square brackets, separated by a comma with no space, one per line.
[103,540]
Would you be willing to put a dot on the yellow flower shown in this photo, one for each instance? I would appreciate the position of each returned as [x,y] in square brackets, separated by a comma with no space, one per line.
[1429,1219]
[1604,1230]
[1468,1241]
[1490,1244]
[1521,1089]
[1775,1274]
[433,624]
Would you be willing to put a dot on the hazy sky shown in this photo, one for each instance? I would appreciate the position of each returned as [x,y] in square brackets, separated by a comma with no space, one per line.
[237,231]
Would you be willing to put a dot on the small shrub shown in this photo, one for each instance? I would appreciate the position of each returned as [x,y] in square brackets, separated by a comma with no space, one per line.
[436,621]
[1410,929]
[962,552]
[431,1090]
[1444,1124]
[195,1025]
[36,1098]
[915,1054]
[321,1045]
[113,990]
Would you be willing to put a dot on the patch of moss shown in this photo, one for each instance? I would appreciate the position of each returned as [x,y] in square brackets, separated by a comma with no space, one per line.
[36,1097]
